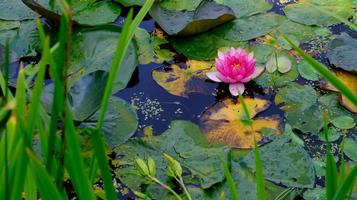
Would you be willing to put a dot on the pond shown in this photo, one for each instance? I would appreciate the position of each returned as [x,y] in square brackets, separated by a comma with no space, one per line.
[167,109]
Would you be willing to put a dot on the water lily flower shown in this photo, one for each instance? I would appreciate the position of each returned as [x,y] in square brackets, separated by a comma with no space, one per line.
[235,67]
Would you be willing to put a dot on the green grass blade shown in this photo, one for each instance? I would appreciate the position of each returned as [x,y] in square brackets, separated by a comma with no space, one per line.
[324,72]
[347,185]
[74,161]
[331,168]
[259,176]
[232,186]
[44,181]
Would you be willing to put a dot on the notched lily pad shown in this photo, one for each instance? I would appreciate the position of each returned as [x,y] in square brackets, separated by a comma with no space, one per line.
[285,162]
[89,12]
[247,7]
[120,122]
[341,52]
[224,123]
[207,16]
[184,81]
[305,12]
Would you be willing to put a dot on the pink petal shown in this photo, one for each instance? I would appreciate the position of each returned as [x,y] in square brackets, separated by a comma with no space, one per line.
[236,88]
[213,76]
[257,72]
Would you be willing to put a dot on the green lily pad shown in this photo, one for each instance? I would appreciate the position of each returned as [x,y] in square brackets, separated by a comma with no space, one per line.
[15,10]
[174,5]
[342,52]
[307,71]
[207,16]
[183,142]
[305,12]
[90,12]
[233,34]
[308,121]
[285,162]
[296,97]
[333,135]
[128,3]
[247,7]
[315,194]
[84,97]
[148,48]
[277,79]
[120,122]
[280,62]
[351,149]
[344,122]
[88,56]
[23,36]
[330,105]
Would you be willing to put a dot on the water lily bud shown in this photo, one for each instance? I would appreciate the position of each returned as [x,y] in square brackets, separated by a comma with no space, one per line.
[175,168]
[142,167]
[152,167]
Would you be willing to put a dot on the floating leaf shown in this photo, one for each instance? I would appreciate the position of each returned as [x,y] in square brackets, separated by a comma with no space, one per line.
[222,123]
[315,194]
[344,122]
[333,135]
[128,3]
[247,7]
[184,81]
[233,34]
[15,10]
[148,48]
[307,71]
[341,52]
[185,143]
[296,97]
[207,16]
[277,79]
[351,149]
[174,5]
[303,12]
[90,12]
[84,97]
[350,81]
[285,162]
[88,56]
[280,62]
[120,122]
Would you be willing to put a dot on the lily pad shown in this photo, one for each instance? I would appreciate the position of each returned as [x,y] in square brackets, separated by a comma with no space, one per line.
[84,97]
[307,71]
[174,5]
[183,142]
[224,123]
[15,10]
[315,194]
[207,16]
[285,162]
[343,122]
[128,3]
[351,149]
[233,34]
[305,12]
[341,52]
[280,62]
[277,79]
[333,135]
[88,56]
[292,95]
[247,7]
[148,48]
[120,122]
[184,81]
[90,12]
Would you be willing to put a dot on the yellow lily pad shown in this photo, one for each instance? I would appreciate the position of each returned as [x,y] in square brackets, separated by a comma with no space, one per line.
[181,81]
[222,123]
[350,81]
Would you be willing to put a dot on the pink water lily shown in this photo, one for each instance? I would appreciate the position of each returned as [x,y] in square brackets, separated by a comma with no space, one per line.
[235,67]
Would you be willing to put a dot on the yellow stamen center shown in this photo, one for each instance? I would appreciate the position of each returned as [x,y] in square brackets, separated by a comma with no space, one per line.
[237,65]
